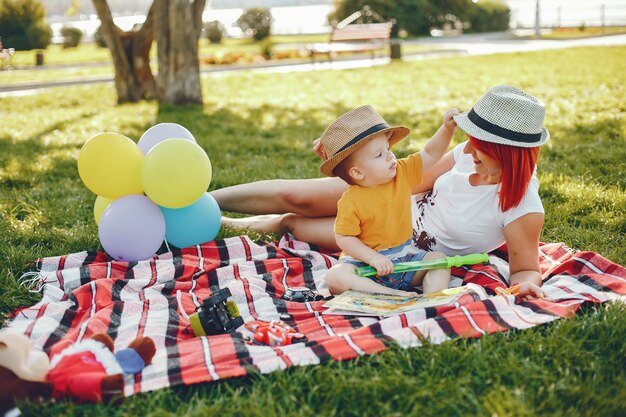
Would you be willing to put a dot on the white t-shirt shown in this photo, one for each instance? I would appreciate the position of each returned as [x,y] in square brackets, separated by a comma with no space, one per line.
[457,218]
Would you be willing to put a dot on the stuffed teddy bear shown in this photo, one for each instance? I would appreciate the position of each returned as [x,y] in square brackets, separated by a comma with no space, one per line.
[86,371]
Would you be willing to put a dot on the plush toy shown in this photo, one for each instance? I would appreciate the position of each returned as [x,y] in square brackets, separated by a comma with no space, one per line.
[22,371]
[85,371]
[90,371]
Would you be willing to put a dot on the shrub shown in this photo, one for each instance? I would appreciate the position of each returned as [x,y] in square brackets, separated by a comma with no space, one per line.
[409,15]
[214,31]
[417,17]
[98,38]
[22,24]
[267,49]
[71,36]
[488,16]
[256,22]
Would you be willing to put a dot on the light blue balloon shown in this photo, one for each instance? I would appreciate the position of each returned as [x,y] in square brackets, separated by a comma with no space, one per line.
[194,224]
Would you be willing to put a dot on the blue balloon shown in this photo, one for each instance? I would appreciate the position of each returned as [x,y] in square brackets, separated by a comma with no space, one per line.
[194,224]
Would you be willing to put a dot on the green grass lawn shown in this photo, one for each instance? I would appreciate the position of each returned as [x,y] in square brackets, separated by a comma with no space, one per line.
[62,64]
[90,52]
[259,126]
[584,32]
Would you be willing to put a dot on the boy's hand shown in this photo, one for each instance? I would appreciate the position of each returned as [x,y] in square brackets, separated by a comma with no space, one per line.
[448,121]
[530,291]
[319,149]
[383,265]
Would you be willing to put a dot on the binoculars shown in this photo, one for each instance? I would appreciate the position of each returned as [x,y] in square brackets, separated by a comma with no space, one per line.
[216,315]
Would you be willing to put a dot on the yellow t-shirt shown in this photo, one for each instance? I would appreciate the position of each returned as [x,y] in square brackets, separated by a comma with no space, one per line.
[381,216]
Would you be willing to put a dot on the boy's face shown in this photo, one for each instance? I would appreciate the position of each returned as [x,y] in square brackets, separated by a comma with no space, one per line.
[374,164]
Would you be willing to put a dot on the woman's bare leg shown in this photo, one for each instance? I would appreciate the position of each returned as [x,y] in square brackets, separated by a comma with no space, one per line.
[316,197]
[315,230]
[318,231]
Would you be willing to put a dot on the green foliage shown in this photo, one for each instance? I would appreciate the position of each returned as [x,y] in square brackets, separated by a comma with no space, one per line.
[409,15]
[488,16]
[22,25]
[263,130]
[71,36]
[267,49]
[256,22]
[98,38]
[417,17]
[214,31]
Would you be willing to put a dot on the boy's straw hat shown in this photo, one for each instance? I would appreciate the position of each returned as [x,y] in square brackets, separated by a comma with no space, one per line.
[353,130]
[506,115]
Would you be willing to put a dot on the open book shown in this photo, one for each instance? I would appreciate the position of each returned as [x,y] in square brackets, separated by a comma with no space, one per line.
[357,303]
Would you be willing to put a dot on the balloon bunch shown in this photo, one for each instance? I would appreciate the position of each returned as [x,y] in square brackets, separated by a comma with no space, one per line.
[149,191]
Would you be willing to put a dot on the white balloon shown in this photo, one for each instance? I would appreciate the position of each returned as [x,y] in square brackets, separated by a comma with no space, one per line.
[163,131]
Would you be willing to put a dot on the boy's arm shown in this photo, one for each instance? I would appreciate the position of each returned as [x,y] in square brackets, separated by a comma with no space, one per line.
[437,145]
[353,247]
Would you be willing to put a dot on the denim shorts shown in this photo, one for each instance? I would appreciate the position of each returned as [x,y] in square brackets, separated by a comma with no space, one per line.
[402,253]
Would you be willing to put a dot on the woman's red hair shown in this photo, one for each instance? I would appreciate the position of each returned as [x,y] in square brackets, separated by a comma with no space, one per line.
[518,165]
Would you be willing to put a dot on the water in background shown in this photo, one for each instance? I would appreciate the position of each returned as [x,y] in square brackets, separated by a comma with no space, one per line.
[313,19]
[287,21]
[568,13]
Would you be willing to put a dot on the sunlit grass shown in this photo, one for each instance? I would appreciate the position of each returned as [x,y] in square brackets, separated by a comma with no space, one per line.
[89,60]
[583,32]
[56,54]
[28,76]
[257,126]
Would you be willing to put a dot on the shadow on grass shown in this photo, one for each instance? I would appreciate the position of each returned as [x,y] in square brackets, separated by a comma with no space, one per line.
[23,154]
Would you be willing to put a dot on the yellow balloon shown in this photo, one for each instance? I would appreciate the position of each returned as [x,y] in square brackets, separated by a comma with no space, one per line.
[110,165]
[99,206]
[176,173]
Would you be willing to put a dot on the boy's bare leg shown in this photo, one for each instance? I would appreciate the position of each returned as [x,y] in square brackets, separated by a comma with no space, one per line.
[342,277]
[433,280]
[436,280]
[316,197]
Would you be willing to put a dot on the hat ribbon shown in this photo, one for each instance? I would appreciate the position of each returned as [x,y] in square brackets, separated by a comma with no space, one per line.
[501,131]
[370,131]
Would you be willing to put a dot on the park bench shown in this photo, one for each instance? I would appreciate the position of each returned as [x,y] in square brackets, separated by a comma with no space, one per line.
[362,37]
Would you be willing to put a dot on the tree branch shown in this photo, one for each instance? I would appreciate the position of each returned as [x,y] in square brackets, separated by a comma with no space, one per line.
[111,34]
[198,9]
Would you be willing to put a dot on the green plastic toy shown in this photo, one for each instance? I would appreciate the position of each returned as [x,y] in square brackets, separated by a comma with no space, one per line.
[447,262]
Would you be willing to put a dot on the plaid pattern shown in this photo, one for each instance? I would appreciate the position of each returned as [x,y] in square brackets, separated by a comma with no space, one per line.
[86,293]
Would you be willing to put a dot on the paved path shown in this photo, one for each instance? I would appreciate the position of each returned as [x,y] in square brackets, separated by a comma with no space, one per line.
[493,43]
[477,44]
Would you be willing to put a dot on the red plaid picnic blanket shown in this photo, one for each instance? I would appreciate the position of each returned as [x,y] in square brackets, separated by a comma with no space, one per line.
[87,292]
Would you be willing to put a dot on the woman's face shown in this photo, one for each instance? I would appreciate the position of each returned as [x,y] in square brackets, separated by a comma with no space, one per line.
[483,164]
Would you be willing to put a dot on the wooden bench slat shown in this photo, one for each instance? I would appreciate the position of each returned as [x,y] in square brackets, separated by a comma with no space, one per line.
[364,37]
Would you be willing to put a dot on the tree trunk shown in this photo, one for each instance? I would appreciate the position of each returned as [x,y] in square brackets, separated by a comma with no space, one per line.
[131,55]
[180,26]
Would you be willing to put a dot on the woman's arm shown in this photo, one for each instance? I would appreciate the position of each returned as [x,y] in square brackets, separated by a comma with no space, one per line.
[315,197]
[522,239]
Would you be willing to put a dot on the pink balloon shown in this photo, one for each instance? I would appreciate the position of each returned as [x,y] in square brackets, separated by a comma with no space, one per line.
[132,228]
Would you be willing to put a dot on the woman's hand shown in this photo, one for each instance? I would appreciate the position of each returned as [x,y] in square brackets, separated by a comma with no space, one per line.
[318,148]
[448,120]
[383,265]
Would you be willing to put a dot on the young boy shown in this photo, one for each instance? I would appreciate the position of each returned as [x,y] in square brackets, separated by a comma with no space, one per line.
[373,224]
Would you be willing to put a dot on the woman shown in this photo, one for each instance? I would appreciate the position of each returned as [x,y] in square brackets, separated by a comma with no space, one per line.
[484,192]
